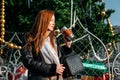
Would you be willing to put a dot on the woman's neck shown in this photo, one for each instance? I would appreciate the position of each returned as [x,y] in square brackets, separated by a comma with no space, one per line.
[47,33]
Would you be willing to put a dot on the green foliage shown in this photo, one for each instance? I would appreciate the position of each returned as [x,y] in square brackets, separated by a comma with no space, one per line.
[20,15]
[93,16]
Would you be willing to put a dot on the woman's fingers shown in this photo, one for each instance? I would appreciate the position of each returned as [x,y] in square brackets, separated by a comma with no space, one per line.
[60,68]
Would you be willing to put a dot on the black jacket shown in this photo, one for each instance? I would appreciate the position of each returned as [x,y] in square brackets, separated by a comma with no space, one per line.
[37,68]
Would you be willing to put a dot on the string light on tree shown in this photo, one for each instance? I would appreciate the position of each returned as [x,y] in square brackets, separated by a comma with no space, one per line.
[103,13]
[2,30]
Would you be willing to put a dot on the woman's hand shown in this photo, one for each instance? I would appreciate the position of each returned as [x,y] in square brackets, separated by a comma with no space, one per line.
[67,42]
[59,69]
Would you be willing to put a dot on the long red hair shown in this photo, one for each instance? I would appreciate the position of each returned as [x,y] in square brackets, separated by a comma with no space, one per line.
[37,33]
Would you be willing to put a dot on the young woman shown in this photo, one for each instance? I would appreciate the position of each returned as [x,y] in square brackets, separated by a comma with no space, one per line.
[40,53]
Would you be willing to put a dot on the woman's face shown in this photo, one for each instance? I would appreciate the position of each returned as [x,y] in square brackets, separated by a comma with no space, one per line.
[51,24]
